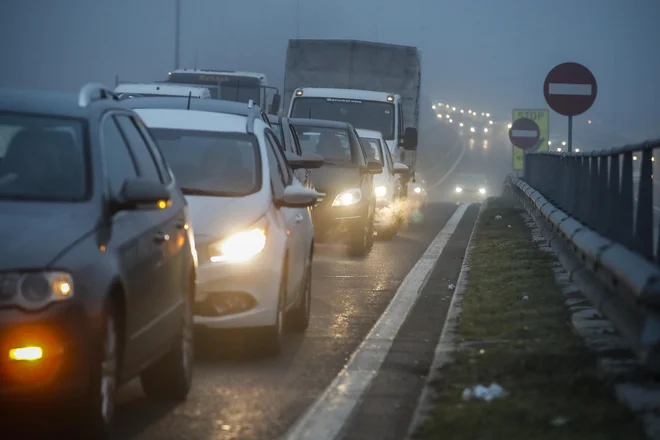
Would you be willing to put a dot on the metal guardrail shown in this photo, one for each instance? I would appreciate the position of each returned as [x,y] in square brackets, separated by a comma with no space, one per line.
[604,233]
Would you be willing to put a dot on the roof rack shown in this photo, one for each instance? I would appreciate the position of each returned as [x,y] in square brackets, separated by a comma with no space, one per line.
[94,92]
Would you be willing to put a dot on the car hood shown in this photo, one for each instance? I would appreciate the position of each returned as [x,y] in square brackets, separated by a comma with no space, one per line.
[34,234]
[217,217]
[334,178]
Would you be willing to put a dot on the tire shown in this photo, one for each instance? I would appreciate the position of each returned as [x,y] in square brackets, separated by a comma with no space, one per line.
[389,233]
[370,234]
[170,378]
[359,241]
[95,410]
[271,339]
[298,320]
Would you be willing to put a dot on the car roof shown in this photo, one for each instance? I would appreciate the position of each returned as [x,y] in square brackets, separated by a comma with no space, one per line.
[176,102]
[192,120]
[369,133]
[320,123]
[182,89]
[48,102]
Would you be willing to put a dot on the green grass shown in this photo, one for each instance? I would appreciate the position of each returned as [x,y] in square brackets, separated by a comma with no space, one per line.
[526,346]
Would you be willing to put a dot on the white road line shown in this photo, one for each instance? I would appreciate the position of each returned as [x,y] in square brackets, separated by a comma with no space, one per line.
[569,89]
[326,418]
[453,167]
[524,133]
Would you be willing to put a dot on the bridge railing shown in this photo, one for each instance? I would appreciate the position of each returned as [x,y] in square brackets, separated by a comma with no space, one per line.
[598,211]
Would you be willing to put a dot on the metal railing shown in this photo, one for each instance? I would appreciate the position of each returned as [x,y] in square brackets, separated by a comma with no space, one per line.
[609,191]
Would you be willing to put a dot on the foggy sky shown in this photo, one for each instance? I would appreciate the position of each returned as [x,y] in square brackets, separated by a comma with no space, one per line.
[488,55]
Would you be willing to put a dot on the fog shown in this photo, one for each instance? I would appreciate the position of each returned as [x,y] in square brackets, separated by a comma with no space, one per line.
[490,55]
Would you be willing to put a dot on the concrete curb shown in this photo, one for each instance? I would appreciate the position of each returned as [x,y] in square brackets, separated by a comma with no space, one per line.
[447,342]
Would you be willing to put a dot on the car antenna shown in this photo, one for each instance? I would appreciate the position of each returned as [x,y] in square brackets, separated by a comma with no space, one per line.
[189,97]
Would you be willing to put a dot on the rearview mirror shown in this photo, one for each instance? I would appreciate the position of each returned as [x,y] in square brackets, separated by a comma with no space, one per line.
[400,168]
[297,197]
[373,167]
[142,194]
[275,106]
[306,160]
[410,139]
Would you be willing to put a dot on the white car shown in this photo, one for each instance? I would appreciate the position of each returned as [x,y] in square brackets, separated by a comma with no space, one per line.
[130,90]
[388,185]
[253,232]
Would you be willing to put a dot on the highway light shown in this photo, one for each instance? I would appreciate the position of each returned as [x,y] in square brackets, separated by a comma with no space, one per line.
[563,143]
[490,122]
[453,109]
[447,105]
[451,120]
[589,122]
[559,150]
[439,115]
[483,114]
[460,124]
[447,115]
[470,111]
[549,142]
[485,130]
[577,150]
[433,107]
[488,115]
[462,111]
[472,129]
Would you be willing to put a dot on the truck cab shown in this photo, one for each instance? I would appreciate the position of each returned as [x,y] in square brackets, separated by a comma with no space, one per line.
[229,85]
[377,111]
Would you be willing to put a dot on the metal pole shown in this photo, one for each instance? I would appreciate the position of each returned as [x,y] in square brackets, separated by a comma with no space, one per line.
[298,19]
[570,134]
[177,34]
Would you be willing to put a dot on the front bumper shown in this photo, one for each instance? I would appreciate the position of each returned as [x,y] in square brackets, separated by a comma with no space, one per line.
[387,215]
[337,221]
[66,337]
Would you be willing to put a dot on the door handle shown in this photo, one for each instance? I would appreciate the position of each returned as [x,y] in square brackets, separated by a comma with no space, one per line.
[299,218]
[161,237]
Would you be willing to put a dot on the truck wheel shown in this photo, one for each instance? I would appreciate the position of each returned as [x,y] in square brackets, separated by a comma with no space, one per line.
[359,241]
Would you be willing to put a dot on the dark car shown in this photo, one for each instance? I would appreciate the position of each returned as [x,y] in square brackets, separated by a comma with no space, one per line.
[347,209]
[97,270]
[288,137]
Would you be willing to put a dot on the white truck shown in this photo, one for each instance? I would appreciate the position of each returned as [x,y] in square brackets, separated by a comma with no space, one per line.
[373,86]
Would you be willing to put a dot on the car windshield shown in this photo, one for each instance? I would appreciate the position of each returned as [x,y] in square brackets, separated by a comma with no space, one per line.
[278,130]
[374,149]
[333,144]
[222,86]
[42,158]
[370,115]
[211,163]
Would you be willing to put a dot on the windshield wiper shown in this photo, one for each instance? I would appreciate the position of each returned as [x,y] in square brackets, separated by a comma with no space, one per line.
[200,192]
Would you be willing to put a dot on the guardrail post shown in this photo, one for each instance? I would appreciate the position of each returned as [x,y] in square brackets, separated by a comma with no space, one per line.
[644,226]
[626,201]
[583,196]
[602,195]
[614,188]
[592,201]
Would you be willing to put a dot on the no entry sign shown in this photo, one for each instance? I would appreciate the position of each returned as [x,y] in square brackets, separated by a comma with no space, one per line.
[524,133]
[570,89]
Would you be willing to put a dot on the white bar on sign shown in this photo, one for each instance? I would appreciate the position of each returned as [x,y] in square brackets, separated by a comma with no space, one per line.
[569,89]
[524,133]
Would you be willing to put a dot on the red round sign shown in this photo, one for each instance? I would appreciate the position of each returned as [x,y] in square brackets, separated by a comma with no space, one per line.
[570,89]
[524,133]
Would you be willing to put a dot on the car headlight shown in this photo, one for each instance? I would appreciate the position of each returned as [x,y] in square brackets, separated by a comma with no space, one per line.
[347,198]
[381,191]
[240,246]
[418,190]
[482,190]
[34,290]
[459,189]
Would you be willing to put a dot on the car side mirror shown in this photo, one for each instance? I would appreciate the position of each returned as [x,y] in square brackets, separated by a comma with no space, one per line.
[373,167]
[142,194]
[410,139]
[400,168]
[275,106]
[306,160]
[297,197]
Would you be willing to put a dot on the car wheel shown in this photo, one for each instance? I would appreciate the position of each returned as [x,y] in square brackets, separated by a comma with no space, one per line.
[271,338]
[299,318]
[370,234]
[359,240]
[170,378]
[98,404]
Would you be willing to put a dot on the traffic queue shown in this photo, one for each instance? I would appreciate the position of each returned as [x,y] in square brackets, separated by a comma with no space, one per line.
[132,216]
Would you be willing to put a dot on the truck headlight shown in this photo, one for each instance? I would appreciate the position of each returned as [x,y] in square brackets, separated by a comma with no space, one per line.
[347,198]
[381,191]
[35,290]
[240,246]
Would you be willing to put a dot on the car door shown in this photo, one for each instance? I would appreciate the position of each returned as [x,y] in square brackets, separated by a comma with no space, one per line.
[160,309]
[302,174]
[366,179]
[295,219]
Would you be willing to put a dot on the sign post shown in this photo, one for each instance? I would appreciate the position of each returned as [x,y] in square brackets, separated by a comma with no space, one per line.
[570,89]
[542,119]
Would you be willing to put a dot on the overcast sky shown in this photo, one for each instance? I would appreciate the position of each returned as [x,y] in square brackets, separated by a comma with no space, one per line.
[490,55]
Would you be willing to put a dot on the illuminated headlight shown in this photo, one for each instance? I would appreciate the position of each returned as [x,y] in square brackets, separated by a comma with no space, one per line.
[482,190]
[347,198]
[381,191]
[459,189]
[418,190]
[472,129]
[34,290]
[240,246]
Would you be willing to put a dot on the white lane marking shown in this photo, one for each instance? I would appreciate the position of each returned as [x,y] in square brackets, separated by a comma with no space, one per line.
[447,341]
[453,167]
[524,133]
[569,89]
[326,418]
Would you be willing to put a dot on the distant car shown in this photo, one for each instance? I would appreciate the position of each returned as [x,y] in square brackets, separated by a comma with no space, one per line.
[160,89]
[288,137]
[469,187]
[254,234]
[98,270]
[417,189]
[389,184]
[347,209]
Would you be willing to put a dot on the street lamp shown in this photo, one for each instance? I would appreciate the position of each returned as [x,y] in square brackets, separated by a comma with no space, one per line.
[460,124]
[490,122]
[577,150]
[453,109]
[451,120]
[509,125]
[563,143]
[461,110]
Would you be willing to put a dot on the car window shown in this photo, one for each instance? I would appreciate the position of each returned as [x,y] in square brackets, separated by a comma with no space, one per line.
[145,161]
[119,163]
[374,149]
[161,163]
[287,172]
[296,141]
[211,162]
[388,157]
[42,158]
[356,141]
[333,144]
[277,176]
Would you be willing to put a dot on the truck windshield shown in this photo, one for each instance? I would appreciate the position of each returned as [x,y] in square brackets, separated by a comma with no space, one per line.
[369,115]
[222,86]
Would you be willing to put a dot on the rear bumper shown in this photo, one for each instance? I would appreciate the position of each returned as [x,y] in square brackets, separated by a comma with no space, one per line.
[332,222]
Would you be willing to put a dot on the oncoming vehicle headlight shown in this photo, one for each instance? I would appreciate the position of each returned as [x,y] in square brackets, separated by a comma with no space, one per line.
[459,189]
[381,191]
[34,290]
[347,198]
[482,190]
[418,190]
[240,246]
